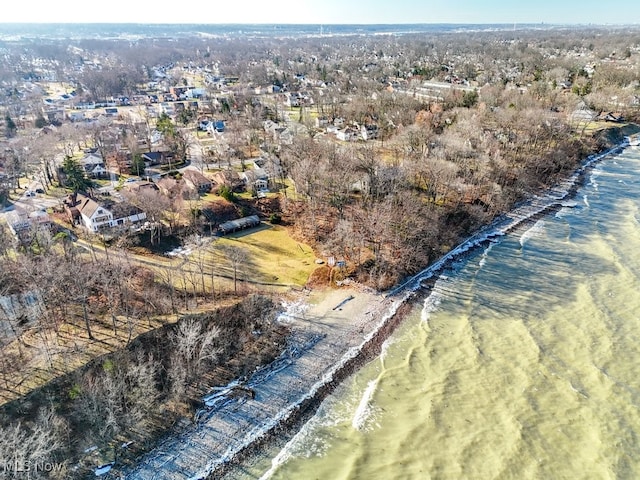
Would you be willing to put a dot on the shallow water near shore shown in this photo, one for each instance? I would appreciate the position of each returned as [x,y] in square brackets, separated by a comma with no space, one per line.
[524,362]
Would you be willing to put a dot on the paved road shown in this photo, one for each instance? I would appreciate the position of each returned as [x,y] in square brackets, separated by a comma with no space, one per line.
[32,203]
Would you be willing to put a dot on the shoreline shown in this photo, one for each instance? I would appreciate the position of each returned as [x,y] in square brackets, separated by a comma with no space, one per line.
[303,412]
[331,329]
[334,333]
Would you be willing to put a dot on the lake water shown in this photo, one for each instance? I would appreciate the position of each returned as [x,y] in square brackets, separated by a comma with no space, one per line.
[524,362]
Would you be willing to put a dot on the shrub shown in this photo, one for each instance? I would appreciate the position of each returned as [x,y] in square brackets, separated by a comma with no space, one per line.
[226,193]
[275,218]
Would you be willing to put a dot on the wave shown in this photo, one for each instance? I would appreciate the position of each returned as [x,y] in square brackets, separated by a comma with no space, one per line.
[485,254]
[535,231]
[431,304]
[283,455]
[384,350]
[364,411]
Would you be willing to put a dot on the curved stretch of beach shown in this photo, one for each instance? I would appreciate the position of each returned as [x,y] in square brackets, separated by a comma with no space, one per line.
[334,332]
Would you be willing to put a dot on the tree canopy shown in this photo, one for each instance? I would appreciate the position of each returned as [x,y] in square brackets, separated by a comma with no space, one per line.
[75,178]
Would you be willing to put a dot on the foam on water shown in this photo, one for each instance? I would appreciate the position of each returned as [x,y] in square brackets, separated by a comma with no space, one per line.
[431,304]
[364,410]
[535,231]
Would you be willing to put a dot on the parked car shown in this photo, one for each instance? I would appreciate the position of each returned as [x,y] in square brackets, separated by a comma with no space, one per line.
[39,190]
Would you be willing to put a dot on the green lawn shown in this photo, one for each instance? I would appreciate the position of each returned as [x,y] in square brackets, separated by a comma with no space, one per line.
[273,256]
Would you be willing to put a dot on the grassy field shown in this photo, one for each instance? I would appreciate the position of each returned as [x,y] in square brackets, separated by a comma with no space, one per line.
[273,261]
[272,256]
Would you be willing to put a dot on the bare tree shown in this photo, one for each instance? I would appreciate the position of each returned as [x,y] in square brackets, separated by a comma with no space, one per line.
[27,444]
[193,346]
[237,257]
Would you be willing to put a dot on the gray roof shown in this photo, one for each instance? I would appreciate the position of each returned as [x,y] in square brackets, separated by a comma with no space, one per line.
[239,224]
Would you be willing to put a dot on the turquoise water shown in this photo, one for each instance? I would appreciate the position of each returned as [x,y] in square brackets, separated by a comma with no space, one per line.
[523,363]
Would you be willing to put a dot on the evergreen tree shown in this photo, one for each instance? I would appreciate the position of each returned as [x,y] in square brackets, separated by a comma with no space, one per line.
[165,126]
[41,122]
[75,177]
[10,126]
[137,165]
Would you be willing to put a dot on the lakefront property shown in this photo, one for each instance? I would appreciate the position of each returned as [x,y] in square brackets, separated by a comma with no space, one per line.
[202,236]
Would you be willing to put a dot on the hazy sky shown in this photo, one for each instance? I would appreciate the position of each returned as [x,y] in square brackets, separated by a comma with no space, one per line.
[326,11]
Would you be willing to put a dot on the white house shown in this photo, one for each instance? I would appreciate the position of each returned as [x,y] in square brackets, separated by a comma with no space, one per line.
[256,179]
[292,99]
[96,217]
[93,216]
[18,221]
[348,134]
[93,165]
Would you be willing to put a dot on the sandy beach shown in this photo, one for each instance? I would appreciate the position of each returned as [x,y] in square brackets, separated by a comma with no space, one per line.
[330,330]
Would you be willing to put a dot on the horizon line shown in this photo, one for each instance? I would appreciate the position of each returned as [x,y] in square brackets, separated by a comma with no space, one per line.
[91,22]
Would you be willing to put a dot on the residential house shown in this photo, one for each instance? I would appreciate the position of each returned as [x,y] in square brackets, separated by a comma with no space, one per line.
[273,167]
[255,179]
[230,178]
[616,117]
[93,165]
[292,99]
[322,122]
[178,92]
[76,116]
[215,126]
[125,214]
[338,122]
[170,187]
[91,214]
[197,181]
[348,134]
[167,108]
[369,132]
[333,129]
[96,216]
[119,161]
[19,223]
[203,124]
[273,128]
[195,93]
[264,89]
[287,135]
[140,186]
[306,98]
[158,157]
[582,113]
